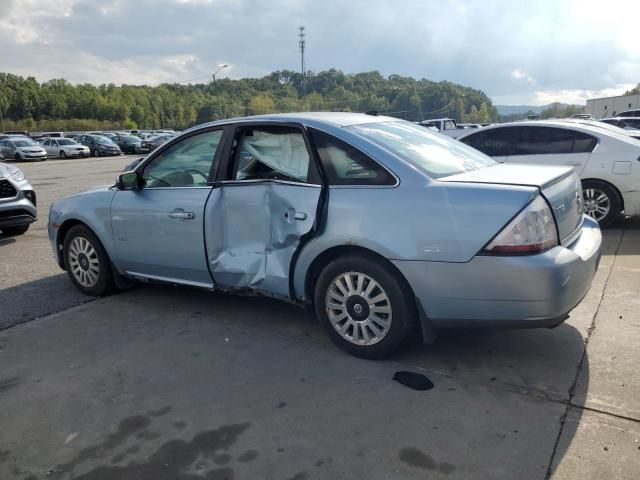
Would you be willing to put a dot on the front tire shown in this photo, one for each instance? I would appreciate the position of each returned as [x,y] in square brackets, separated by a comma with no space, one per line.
[96,153]
[17,157]
[87,262]
[15,231]
[366,308]
[63,155]
[601,201]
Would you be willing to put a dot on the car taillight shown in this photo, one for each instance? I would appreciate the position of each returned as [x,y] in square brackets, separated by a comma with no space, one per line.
[532,231]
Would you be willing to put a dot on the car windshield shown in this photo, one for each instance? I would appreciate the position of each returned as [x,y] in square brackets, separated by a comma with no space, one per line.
[66,142]
[24,143]
[436,155]
[130,139]
[104,140]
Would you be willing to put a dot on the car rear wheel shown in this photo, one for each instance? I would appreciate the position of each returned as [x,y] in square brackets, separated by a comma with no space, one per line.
[87,262]
[601,201]
[63,155]
[364,306]
[15,231]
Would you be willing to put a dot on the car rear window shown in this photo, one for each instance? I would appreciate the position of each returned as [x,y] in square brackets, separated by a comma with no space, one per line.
[436,155]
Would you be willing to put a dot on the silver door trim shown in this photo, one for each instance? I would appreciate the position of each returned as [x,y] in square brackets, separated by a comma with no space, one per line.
[159,278]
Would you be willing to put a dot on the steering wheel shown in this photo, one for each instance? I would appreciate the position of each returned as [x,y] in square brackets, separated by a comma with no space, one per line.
[195,171]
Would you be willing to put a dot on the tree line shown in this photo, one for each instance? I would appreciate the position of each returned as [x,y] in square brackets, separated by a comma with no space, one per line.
[26,104]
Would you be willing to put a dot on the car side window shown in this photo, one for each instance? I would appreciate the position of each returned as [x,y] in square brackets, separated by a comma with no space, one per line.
[344,164]
[449,125]
[544,141]
[47,143]
[494,143]
[271,153]
[583,143]
[184,164]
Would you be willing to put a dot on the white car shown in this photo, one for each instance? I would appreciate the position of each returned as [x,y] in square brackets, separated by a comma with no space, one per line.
[607,161]
[64,147]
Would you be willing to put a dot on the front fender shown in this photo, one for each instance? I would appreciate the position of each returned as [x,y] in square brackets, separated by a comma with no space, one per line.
[90,208]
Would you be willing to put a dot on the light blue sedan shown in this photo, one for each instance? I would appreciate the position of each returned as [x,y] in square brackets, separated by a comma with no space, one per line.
[388,230]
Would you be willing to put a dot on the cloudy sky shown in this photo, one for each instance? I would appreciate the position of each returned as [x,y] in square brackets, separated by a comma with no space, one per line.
[518,52]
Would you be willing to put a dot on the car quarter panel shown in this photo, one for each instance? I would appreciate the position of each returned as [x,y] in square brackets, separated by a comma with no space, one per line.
[437,222]
[91,208]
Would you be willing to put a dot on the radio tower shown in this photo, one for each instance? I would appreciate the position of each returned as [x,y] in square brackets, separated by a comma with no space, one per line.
[302,44]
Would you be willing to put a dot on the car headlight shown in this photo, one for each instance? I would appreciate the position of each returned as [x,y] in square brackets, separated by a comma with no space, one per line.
[16,174]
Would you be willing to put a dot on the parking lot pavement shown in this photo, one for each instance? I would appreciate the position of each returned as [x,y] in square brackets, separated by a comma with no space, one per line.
[162,382]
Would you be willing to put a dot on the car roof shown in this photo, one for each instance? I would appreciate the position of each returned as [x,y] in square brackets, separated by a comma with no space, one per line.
[337,119]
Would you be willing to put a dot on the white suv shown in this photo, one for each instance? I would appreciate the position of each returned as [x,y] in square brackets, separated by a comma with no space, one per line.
[608,162]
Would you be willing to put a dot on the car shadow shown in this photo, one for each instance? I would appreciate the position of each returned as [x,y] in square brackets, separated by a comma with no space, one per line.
[6,240]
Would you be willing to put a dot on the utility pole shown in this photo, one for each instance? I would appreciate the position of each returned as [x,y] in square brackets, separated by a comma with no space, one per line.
[302,43]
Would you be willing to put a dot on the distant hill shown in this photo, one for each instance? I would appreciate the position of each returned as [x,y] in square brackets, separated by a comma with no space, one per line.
[515,109]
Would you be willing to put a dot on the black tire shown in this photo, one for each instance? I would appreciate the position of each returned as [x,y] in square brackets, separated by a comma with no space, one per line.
[96,152]
[402,302]
[17,157]
[104,284]
[15,231]
[63,155]
[589,187]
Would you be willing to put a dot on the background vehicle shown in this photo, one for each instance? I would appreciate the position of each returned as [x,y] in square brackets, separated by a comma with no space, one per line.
[446,126]
[295,210]
[630,113]
[64,147]
[605,160]
[152,143]
[129,143]
[623,122]
[99,145]
[22,148]
[17,201]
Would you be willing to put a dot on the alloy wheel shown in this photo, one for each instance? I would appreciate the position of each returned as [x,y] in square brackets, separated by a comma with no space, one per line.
[358,308]
[83,262]
[597,203]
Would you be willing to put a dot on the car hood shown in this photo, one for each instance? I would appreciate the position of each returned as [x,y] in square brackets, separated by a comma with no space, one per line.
[4,170]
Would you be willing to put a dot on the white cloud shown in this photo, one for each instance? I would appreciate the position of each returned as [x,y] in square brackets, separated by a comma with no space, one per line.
[515,50]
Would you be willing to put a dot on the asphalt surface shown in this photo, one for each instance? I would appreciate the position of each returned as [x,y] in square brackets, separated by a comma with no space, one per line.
[162,382]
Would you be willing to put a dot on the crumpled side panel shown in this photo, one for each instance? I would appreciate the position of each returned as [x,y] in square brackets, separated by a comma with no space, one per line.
[252,233]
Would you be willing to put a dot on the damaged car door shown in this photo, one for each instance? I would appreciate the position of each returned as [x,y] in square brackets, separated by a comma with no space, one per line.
[265,205]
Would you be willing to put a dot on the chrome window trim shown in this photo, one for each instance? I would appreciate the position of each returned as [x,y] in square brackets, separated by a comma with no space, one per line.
[265,180]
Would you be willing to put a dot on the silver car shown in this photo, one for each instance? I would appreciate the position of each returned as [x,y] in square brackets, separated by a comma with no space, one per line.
[17,201]
[388,230]
[22,148]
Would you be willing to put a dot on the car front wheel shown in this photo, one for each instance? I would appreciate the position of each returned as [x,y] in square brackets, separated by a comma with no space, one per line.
[365,306]
[87,262]
[601,201]
[96,153]
[63,155]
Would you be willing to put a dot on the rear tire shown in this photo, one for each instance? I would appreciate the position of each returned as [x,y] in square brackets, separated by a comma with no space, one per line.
[87,262]
[366,308]
[601,201]
[15,231]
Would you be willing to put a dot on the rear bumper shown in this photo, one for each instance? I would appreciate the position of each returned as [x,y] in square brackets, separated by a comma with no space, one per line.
[507,291]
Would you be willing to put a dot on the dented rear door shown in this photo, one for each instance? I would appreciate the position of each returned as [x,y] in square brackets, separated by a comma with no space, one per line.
[260,213]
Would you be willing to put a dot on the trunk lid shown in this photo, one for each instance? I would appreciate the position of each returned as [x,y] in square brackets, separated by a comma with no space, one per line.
[559,185]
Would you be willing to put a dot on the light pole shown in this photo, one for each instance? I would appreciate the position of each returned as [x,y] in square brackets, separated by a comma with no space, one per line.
[215,88]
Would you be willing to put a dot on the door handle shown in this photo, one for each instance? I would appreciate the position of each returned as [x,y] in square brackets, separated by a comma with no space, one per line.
[574,164]
[180,213]
[291,215]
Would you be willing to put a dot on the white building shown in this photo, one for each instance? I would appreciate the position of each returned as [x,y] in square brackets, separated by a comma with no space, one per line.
[611,106]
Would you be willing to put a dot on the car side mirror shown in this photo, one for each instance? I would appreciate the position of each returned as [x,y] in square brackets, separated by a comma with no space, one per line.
[129,181]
